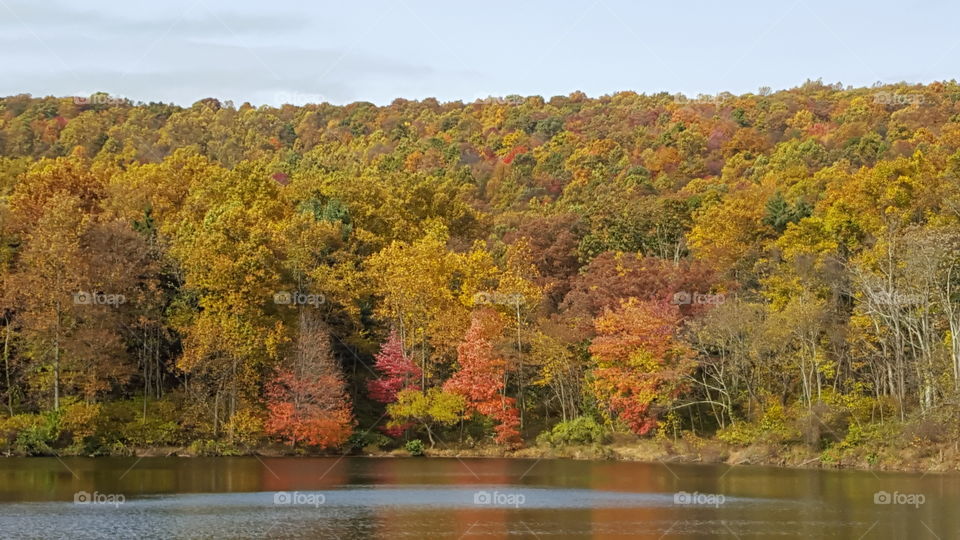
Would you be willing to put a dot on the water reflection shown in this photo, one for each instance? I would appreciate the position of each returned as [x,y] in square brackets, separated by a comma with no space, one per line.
[493,498]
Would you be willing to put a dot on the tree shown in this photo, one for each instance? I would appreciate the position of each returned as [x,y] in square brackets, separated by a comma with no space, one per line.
[561,369]
[231,269]
[728,234]
[613,277]
[51,273]
[641,365]
[432,410]
[480,378]
[307,400]
[552,241]
[398,371]
[426,289]
[731,344]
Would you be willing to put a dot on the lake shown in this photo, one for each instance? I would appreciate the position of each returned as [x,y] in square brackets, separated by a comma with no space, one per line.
[357,497]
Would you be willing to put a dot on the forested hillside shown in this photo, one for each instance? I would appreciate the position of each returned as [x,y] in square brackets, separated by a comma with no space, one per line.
[779,267]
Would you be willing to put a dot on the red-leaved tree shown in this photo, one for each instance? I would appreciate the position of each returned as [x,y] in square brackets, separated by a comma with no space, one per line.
[398,373]
[307,401]
[480,380]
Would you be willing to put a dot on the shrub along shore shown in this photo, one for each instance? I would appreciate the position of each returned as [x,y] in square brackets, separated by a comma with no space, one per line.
[903,447]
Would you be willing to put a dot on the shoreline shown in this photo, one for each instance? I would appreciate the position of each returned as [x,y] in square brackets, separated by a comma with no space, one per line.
[790,457]
[938,459]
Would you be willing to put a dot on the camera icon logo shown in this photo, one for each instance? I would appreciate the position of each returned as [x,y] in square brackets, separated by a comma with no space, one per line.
[682,298]
[482,497]
[282,497]
[84,298]
[682,497]
[882,497]
[482,298]
[81,497]
[283,298]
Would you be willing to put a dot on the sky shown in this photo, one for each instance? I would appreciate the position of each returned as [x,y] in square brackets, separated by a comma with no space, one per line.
[304,51]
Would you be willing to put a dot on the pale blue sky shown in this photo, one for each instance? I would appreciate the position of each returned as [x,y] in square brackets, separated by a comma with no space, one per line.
[305,51]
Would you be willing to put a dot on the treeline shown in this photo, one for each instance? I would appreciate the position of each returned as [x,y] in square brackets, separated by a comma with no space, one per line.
[766,267]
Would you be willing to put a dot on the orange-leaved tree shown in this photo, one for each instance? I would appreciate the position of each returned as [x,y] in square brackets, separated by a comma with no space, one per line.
[480,379]
[641,363]
[308,401]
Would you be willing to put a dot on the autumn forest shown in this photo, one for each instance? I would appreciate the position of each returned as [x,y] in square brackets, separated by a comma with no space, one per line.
[777,268]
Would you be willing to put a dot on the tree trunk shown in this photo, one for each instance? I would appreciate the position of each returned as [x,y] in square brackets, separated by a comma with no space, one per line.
[216,413]
[520,380]
[233,396]
[429,434]
[423,363]
[56,363]
[6,367]
[146,374]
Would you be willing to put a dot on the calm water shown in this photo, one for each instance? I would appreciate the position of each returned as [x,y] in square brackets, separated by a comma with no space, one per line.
[450,498]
